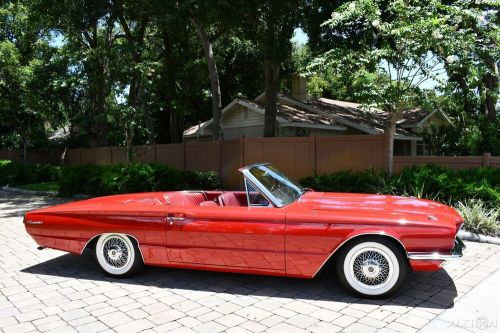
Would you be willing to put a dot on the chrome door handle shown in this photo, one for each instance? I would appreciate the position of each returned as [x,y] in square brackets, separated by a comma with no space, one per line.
[172,219]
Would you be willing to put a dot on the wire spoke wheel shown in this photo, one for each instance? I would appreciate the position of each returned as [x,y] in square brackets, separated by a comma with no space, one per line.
[117,255]
[115,252]
[371,268]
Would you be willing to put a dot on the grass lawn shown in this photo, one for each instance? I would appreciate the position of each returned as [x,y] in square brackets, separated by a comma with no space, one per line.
[47,186]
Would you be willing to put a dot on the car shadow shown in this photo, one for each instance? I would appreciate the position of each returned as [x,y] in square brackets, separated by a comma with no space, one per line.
[434,290]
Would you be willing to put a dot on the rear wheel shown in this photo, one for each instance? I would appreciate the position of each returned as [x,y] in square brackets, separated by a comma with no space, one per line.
[117,255]
[372,267]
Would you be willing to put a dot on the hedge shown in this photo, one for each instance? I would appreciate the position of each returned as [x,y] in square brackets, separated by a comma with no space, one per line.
[14,173]
[128,178]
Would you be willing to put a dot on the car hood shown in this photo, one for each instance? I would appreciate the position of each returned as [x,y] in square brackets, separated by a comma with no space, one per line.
[387,206]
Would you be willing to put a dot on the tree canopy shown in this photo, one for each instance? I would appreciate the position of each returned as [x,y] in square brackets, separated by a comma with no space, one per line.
[122,72]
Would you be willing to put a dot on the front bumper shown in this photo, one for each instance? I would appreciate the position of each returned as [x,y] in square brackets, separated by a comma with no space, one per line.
[455,253]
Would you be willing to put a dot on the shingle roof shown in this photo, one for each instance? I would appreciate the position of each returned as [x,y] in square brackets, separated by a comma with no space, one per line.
[324,111]
[413,117]
[297,114]
[193,129]
[374,120]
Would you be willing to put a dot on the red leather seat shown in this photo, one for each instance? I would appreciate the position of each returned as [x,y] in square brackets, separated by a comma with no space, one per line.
[193,198]
[228,199]
[208,204]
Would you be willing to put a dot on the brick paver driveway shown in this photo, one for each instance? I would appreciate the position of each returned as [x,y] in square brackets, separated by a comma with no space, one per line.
[52,291]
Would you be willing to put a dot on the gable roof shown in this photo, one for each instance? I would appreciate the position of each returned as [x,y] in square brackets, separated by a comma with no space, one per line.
[417,117]
[287,115]
[328,113]
[372,121]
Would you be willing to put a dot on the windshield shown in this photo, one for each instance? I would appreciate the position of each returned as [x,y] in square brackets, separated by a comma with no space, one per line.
[280,186]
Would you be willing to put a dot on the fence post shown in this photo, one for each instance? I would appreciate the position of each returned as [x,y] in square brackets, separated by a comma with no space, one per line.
[486,159]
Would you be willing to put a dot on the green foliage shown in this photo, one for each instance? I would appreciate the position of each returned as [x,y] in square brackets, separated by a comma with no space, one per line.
[468,136]
[429,181]
[13,173]
[479,217]
[135,177]
[345,181]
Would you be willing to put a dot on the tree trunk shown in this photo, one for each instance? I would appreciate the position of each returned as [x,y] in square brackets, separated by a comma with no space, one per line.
[175,127]
[271,80]
[129,137]
[491,86]
[390,132]
[459,76]
[214,78]
[169,90]
[25,151]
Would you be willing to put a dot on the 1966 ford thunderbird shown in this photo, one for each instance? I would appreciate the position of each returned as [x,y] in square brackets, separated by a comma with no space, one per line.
[274,227]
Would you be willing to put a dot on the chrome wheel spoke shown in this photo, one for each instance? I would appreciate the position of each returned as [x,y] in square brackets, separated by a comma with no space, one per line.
[115,252]
[371,268]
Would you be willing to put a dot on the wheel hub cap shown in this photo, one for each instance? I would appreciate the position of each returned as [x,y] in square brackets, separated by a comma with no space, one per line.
[115,252]
[371,268]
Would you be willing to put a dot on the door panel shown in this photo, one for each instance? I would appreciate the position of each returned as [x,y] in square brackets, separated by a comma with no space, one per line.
[251,237]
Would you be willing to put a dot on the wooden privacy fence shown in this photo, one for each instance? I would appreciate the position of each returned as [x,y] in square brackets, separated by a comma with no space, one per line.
[297,156]
[453,162]
[50,156]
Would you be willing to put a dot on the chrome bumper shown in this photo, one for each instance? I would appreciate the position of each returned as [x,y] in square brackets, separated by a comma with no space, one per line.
[455,253]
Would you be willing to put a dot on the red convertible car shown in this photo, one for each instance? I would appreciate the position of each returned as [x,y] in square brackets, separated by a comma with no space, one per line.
[274,227]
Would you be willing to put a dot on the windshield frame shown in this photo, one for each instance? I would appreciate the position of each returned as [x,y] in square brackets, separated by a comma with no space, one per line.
[246,171]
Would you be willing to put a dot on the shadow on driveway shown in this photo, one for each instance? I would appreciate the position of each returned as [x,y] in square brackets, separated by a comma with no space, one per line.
[426,290]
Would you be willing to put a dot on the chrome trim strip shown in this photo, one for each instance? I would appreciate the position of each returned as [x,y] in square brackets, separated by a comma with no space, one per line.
[432,256]
[359,235]
[264,191]
[248,195]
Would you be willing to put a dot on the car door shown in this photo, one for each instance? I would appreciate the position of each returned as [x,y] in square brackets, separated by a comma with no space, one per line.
[227,236]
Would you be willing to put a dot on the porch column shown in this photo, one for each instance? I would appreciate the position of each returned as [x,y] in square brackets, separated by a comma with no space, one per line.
[413,148]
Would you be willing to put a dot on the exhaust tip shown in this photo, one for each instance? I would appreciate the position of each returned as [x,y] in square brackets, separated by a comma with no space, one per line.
[40,248]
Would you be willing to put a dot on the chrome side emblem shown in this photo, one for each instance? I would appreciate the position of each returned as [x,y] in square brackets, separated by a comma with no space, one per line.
[34,222]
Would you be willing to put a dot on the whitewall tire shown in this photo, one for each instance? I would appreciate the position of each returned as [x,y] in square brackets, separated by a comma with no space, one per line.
[117,255]
[372,267]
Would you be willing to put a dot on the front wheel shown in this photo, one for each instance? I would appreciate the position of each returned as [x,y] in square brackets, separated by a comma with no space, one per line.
[372,268]
[117,255]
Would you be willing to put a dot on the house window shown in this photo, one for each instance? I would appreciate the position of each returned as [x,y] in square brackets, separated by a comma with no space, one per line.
[422,148]
[302,132]
[246,114]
